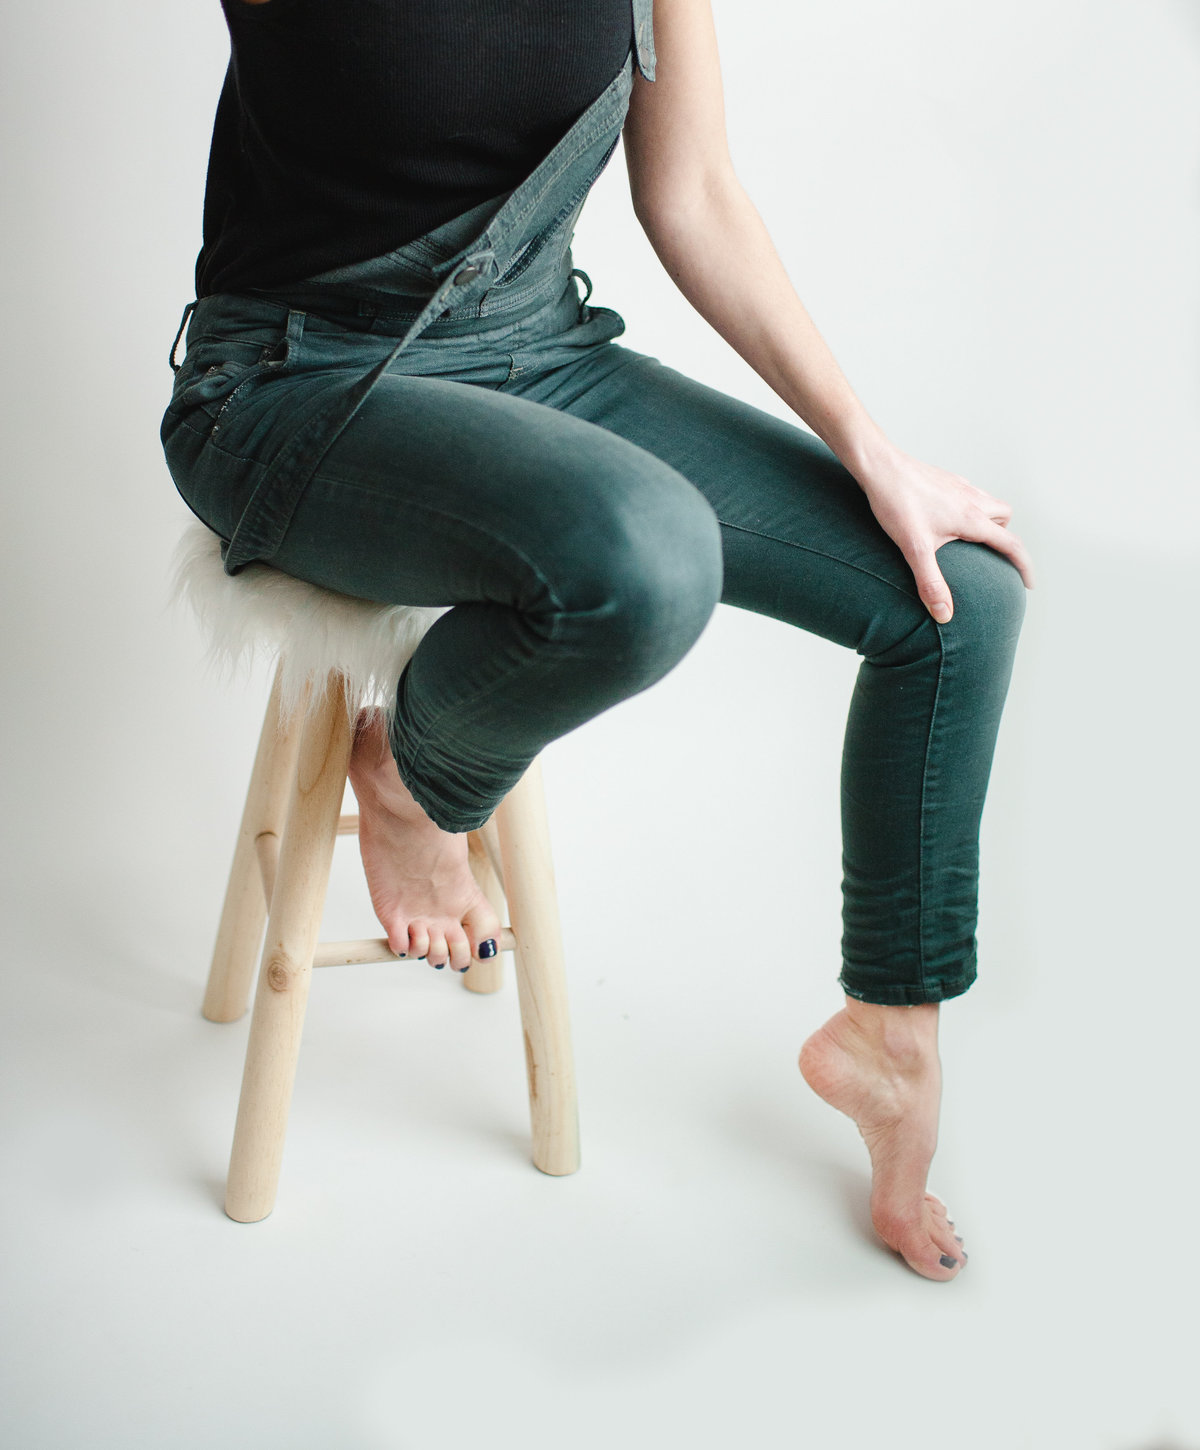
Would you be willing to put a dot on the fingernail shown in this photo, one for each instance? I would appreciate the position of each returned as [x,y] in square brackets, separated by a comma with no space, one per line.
[947,1262]
[941,612]
[487,949]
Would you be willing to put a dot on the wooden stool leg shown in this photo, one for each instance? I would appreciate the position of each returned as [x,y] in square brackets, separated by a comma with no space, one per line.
[541,976]
[486,976]
[239,936]
[305,857]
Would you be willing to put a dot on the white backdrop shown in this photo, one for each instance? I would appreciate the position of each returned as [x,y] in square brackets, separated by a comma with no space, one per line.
[992,216]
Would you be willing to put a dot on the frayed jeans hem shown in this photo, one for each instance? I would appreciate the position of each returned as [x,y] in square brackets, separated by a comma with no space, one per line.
[454,825]
[902,996]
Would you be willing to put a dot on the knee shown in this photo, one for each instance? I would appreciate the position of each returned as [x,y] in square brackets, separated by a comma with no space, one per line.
[646,574]
[989,598]
[989,607]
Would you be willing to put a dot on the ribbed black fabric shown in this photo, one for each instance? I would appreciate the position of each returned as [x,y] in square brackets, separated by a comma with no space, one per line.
[346,128]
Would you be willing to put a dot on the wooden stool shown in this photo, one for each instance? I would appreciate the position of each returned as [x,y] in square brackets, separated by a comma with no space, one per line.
[336,654]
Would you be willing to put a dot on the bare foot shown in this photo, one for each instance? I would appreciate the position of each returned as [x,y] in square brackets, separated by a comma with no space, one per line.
[879,1065]
[421,886]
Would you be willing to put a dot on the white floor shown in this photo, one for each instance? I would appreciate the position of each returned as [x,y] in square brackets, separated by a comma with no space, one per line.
[709,1277]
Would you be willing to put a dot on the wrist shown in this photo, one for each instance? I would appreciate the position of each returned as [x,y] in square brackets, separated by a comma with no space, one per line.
[865,450]
[856,439]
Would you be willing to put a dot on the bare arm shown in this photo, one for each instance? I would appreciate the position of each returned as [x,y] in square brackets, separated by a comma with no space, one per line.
[711,240]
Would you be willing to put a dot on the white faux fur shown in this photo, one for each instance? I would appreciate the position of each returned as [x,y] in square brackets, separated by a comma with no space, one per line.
[314,630]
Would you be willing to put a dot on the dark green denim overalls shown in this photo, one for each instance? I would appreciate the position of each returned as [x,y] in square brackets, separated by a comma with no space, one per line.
[451,424]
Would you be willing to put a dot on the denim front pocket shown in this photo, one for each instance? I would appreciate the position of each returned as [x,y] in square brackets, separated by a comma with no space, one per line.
[242,380]
[217,371]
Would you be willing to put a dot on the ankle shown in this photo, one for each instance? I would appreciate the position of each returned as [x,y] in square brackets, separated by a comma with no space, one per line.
[371,749]
[905,1036]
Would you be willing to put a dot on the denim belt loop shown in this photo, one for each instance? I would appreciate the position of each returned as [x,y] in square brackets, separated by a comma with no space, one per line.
[579,272]
[295,331]
[182,324]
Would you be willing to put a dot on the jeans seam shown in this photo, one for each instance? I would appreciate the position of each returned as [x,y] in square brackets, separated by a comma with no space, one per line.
[937,695]
[229,453]
[598,382]
[921,873]
[821,554]
[210,443]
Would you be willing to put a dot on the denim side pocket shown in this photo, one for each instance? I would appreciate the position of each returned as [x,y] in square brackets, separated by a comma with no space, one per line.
[242,380]
[217,373]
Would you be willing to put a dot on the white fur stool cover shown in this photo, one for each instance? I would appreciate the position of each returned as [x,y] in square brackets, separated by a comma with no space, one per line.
[313,630]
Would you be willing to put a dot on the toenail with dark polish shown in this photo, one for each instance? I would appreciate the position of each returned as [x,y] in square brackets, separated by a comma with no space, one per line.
[437,965]
[487,949]
[947,1262]
[958,1238]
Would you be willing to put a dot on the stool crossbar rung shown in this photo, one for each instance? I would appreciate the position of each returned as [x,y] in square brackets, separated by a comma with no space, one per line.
[376,949]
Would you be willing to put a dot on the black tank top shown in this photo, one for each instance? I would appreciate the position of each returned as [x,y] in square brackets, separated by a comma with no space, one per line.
[345,128]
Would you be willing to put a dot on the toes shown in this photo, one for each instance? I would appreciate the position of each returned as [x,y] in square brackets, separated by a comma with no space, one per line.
[482,925]
[942,1229]
[460,950]
[451,942]
[932,1260]
[926,1245]
[947,1242]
